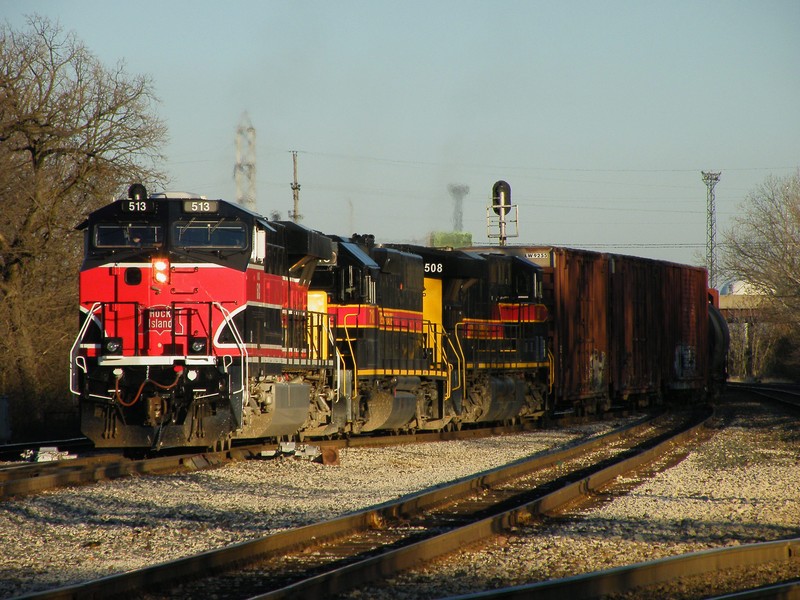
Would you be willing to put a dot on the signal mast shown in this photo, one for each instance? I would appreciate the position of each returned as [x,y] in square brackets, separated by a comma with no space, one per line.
[505,213]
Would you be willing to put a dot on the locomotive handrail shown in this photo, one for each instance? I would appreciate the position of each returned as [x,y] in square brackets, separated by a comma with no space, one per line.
[450,387]
[432,338]
[340,364]
[463,358]
[340,385]
[73,351]
[349,341]
[237,337]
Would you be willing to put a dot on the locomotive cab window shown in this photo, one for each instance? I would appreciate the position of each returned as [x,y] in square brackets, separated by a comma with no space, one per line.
[128,235]
[216,234]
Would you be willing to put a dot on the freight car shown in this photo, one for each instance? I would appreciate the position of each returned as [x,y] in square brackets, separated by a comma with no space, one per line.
[628,331]
[203,322]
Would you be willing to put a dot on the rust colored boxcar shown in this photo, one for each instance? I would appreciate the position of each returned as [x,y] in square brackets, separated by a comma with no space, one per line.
[635,329]
[623,329]
[685,323]
[576,293]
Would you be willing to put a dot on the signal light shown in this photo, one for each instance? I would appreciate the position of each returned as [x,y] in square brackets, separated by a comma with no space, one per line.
[501,198]
[160,270]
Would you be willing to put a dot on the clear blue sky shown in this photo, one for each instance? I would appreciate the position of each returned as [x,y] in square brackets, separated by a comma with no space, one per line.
[601,115]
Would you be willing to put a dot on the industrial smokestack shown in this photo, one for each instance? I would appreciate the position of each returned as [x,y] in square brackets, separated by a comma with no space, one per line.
[458,191]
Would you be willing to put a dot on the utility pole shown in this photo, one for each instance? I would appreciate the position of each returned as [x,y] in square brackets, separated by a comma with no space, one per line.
[245,170]
[711,179]
[295,214]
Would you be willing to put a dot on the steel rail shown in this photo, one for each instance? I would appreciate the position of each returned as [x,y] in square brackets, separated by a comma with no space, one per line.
[389,563]
[313,535]
[32,478]
[627,578]
[788,397]
[783,591]
[20,479]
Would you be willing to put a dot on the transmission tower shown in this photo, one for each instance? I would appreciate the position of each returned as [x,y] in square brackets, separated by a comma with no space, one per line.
[711,179]
[245,169]
[295,214]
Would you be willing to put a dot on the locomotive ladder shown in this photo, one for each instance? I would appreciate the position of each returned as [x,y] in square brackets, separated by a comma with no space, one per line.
[344,389]
[245,367]
[75,358]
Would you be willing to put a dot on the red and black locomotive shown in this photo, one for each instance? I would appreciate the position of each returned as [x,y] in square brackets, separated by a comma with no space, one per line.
[195,324]
[203,322]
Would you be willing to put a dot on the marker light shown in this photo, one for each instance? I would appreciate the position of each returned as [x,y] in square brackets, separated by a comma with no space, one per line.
[112,345]
[197,345]
[160,270]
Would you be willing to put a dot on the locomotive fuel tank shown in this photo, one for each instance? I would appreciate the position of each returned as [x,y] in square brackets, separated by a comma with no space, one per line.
[506,400]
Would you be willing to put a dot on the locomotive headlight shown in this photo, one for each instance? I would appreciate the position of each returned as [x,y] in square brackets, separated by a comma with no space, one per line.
[112,345]
[198,345]
[160,268]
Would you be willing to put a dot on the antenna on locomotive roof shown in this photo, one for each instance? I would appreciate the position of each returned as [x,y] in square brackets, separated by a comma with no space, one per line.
[505,213]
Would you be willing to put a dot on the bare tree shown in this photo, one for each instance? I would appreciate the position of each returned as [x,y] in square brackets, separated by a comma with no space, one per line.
[72,133]
[762,248]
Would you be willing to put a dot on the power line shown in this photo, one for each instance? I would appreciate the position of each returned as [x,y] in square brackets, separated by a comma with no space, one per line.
[527,168]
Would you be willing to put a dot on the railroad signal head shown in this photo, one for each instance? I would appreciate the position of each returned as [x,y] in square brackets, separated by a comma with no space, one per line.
[501,198]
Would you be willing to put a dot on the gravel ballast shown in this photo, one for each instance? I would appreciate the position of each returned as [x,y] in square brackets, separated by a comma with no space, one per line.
[739,487]
[71,535]
[742,486]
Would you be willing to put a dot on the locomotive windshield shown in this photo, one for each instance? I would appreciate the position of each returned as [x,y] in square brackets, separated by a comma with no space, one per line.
[128,235]
[221,234]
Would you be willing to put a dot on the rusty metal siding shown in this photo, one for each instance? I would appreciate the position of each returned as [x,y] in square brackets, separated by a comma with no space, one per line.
[621,326]
[635,327]
[685,350]
[575,291]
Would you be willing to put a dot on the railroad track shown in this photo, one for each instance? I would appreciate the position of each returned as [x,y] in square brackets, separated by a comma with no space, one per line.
[758,570]
[359,548]
[785,395]
[24,478]
[673,568]
[12,452]
[31,478]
